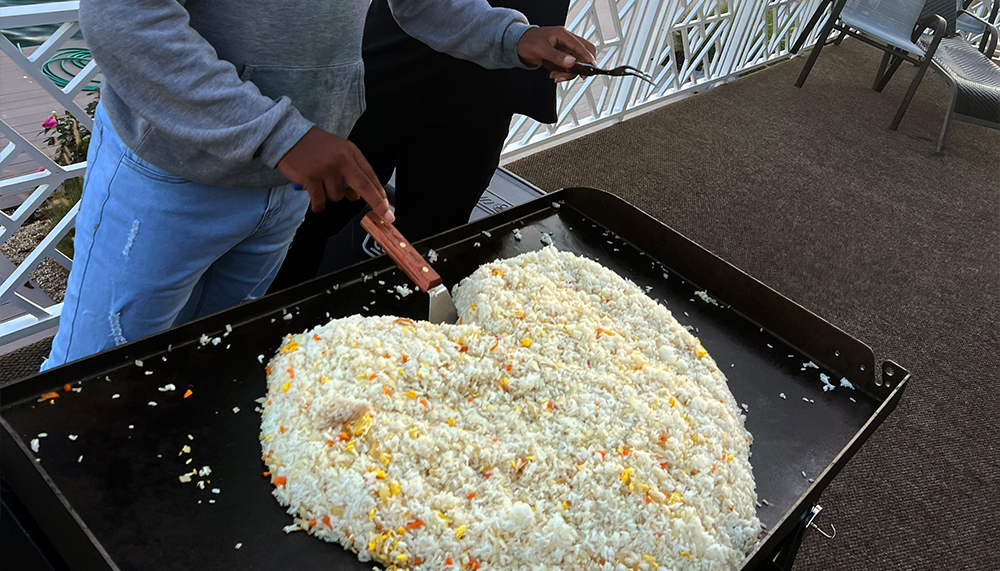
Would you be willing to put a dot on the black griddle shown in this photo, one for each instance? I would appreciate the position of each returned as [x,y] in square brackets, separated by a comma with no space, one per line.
[123,507]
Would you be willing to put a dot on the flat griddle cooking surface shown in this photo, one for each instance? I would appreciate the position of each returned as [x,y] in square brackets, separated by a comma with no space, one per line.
[125,489]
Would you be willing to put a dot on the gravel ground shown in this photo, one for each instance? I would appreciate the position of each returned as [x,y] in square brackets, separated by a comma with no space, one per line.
[49,275]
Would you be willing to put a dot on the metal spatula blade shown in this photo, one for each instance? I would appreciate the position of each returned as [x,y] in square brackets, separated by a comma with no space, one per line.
[442,308]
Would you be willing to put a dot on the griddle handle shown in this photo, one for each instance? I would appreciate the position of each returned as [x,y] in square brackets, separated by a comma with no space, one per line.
[401,251]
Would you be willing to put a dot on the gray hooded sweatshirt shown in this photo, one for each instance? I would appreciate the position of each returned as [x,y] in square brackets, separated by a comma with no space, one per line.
[217,91]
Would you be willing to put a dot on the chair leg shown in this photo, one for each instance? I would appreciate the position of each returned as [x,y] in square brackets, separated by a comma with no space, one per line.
[883,79]
[809,27]
[823,34]
[881,70]
[947,123]
[910,92]
[840,38]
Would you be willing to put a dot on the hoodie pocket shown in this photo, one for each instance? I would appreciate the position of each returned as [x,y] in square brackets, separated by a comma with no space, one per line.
[332,97]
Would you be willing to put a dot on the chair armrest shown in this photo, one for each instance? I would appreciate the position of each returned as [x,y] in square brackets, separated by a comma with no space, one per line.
[940,27]
[990,48]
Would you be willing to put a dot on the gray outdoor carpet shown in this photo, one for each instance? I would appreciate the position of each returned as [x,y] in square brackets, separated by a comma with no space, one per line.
[808,191]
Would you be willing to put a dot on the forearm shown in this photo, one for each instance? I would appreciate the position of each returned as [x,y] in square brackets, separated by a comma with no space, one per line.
[467,29]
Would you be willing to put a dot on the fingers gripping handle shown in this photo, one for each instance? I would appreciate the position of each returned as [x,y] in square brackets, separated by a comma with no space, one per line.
[401,251]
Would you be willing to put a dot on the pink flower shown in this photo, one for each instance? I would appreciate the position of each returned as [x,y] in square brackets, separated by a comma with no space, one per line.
[50,122]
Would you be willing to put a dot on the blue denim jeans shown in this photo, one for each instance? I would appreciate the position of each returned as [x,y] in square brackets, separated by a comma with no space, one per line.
[154,250]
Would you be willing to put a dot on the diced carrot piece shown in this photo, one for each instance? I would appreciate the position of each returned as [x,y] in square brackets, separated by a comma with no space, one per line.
[418,561]
[372,377]
[471,496]
[188,393]
[601,452]
[316,337]
[344,436]
[266,474]
[423,402]
[463,349]
[267,370]
[386,390]
[67,387]
[312,523]
[406,358]
[473,564]
[280,481]
[509,367]
[447,561]
[326,521]
[415,524]
[282,429]
[52,395]
[291,372]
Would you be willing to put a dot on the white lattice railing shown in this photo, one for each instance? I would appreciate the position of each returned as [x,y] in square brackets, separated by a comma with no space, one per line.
[24,309]
[686,45]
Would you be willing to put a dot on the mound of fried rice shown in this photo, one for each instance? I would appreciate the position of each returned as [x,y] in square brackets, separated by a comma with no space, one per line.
[568,422]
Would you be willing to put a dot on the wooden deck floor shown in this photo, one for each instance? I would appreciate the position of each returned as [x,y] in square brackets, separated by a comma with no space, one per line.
[24,104]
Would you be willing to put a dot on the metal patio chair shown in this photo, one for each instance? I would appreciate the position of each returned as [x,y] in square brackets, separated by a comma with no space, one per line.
[973,79]
[897,28]
[893,26]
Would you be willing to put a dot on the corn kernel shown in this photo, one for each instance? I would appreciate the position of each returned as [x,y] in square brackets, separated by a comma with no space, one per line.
[625,475]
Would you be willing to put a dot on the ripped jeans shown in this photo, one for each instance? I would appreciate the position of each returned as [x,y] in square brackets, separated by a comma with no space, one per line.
[154,250]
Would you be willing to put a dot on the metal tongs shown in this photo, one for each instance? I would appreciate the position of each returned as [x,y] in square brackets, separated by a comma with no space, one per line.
[588,70]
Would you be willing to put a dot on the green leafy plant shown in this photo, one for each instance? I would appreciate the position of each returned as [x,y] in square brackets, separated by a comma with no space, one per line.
[71,141]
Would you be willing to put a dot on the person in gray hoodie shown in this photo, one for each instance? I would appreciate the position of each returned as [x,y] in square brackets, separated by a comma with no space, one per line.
[210,110]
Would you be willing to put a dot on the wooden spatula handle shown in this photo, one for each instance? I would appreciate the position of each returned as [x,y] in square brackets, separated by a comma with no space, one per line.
[401,251]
